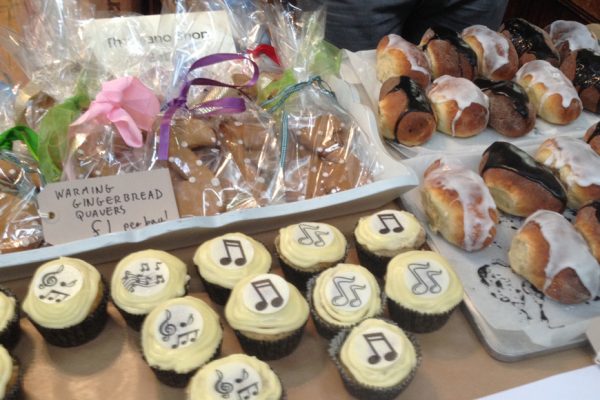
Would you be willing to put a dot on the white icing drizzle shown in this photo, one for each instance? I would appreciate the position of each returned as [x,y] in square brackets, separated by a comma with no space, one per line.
[551,77]
[474,197]
[568,249]
[576,34]
[583,162]
[416,58]
[461,90]
[495,47]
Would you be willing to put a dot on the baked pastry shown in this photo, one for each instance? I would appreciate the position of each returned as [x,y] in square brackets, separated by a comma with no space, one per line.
[375,359]
[405,114]
[382,235]
[518,183]
[459,205]
[399,57]
[244,375]
[587,223]
[582,67]
[307,248]
[178,337]
[497,58]
[66,302]
[551,92]
[576,165]
[10,330]
[11,376]
[592,137]
[226,259]
[460,107]
[554,257]
[342,296]
[530,41]
[422,290]
[268,315]
[569,36]
[511,112]
[448,54]
[143,280]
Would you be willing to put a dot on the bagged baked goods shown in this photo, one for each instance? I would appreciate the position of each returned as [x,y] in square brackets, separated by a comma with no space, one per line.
[592,137]
[587,224]
[448,54]
[511,112]
[519,184]
[405,114]
[530,41]
[459,205]
[460,107]
[497,58]
[398,57]
[582,67]
[551,92]
[569,36]
[549,253]
[576,165]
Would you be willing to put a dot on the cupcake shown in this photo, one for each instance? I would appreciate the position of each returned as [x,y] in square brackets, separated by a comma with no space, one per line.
[143,280]
[66,302]
[422,290]
[382,235]
[307,248]
[226,259]
[178,337]
[10,331]
[375,359]
[341,297]
[237,376]
[267,314]
[10,376]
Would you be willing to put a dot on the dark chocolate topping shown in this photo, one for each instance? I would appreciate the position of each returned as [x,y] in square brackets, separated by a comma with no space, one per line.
[443,33]
[595,133]
[527,39]
[510,89]
[417,100]
[587,70]
[510,157]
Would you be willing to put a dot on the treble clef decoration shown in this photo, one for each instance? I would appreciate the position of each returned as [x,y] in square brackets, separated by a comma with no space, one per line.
[221,387]
[50,279]
[167,329]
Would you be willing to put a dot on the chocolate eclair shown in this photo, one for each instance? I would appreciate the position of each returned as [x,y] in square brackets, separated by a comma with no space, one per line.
[511,112]
[530,41]
[592,137]
[518,183]
[448,53]
[582,67]
[405,114]
[587,223]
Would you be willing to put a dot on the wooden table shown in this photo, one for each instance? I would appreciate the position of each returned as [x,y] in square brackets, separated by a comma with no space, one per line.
[454,365]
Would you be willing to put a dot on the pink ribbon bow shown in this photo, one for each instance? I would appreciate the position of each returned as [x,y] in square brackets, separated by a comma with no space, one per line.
[128,104]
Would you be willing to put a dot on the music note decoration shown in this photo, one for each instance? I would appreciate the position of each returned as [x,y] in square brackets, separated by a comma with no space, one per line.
[394,225]
[152,275]
[313,235]
[266,293]
[230,245]
[221,387]
[246,385]
[180,326]
[65,277]
[425,282]
[344,291]
[374,339]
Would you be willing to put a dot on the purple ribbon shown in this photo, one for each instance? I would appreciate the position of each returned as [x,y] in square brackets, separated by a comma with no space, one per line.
[226,105]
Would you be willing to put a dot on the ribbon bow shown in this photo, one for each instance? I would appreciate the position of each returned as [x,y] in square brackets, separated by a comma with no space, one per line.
[128,104]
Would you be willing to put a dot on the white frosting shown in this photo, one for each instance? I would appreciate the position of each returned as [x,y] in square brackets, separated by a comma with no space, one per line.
[6,370]
[495,48]
[179,326]
[266,294]
[416,58]
[552,78]
[57,283]
[7,310]
[578,156]
[576,34]
[460,90]
[307,244]
[568,249]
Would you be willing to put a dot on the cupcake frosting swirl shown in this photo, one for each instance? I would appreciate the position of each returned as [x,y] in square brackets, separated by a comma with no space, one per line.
[306,244]
[388,232]
[144,279]
[346,294]
[7,310]
[226,259]
[266,304]
[423,281]
[181,334]
[62,293]
[6,370]
[378,353]
[237,374]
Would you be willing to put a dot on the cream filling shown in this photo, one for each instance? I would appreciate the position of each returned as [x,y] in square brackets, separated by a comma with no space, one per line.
[286,318]
[346,294]
[192,350]
[141,302]
[216,267]
[221,378]
[7,310]
[6,370]
[423,281]
[389,232]
[372,338]
[307,244]
[62,297]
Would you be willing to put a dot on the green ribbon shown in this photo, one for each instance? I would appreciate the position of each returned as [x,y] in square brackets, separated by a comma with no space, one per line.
[24,134]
